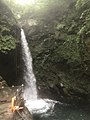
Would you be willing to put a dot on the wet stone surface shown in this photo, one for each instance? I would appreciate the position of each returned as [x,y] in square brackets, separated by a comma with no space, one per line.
[6,95]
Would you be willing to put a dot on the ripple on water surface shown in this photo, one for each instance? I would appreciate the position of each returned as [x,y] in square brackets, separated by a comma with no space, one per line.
[45,109]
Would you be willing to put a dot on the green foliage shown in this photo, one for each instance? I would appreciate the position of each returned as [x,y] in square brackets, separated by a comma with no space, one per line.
[41,7]
[60,26]
[60,46]
[82,3]
[69,50]
[82,30]
[7,43]
[59,41]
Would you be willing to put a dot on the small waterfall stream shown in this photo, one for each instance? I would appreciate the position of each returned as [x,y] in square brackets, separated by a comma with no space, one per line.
[30,90]
[33,103]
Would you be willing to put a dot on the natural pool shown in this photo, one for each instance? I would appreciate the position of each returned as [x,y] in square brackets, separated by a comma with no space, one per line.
[65,112]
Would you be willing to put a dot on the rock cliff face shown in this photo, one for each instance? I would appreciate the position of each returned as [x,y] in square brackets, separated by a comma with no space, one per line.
[60,46]
[9,37]
[59,39]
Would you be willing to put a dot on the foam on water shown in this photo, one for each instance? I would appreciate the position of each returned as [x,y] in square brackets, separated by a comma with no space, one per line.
[40,105]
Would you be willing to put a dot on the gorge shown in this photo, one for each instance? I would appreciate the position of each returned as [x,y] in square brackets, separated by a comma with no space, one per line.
[56,70]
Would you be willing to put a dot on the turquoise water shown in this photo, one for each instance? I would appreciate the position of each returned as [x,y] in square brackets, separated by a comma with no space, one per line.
[65,112]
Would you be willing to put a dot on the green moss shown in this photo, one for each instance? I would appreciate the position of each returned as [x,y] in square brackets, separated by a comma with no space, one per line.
[7,21]
[81,3]
[61,50]
[7,43]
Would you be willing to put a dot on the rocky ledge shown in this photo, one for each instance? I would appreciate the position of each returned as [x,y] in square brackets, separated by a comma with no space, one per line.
[6,94]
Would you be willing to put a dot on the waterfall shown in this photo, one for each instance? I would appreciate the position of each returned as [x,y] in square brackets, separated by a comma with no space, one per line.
[30,91]
[33,103]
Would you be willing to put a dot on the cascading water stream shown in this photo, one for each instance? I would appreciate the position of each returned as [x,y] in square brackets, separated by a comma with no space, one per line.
[30,92]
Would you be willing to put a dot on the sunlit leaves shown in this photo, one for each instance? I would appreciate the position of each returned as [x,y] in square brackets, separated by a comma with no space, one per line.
[81,3]
[7,43]
[7,21]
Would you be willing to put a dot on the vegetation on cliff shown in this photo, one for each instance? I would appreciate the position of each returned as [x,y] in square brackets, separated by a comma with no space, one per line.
[7,29]
[58,33]
[60,45]
[8,40]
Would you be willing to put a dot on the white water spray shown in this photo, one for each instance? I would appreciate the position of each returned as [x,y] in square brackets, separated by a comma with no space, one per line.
[30,93]
[30,90]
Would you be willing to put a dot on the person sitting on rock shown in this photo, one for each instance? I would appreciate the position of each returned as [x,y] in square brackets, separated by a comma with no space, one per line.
[13,106]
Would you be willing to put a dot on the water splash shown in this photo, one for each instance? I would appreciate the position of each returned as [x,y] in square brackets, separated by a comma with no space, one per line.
[41,105]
